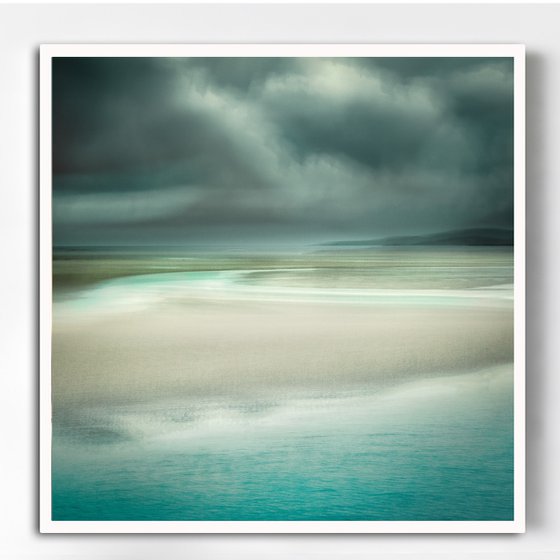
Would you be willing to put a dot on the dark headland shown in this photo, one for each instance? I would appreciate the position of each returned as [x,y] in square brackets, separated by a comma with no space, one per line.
[474,237]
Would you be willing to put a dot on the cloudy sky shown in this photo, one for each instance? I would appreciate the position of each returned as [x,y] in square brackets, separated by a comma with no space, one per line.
[279,150]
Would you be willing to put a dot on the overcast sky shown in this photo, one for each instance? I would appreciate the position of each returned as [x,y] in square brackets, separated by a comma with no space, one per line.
[274,150]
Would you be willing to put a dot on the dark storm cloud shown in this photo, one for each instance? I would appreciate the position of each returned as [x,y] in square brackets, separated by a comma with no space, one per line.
[114,116]
[188,149]
[98,106]
[372,132]
[408,68]
[242,73]
[425,109]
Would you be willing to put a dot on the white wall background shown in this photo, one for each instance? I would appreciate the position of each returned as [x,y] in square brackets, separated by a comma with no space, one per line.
[24,27]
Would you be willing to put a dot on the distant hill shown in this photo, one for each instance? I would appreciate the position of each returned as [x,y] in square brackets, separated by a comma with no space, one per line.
[476,237]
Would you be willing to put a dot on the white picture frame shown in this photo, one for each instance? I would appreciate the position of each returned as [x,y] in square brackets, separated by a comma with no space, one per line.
[47,53]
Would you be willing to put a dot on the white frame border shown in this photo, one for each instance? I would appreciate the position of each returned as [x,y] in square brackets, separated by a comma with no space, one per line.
[47,52]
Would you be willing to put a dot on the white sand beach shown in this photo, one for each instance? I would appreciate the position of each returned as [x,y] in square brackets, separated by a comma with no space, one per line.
[238,347]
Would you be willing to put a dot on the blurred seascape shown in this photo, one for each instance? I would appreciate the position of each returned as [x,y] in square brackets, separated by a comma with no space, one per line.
[324,384]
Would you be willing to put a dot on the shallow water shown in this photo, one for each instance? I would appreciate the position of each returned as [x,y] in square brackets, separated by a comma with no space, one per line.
[432,450]
[384,277]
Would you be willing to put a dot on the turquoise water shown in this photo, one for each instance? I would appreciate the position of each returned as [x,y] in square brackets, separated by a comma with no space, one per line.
[139,292]
[435,276]
[438,449]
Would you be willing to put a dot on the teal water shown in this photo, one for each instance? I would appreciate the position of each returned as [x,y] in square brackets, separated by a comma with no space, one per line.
[434,276]
[438,449]
[139,292]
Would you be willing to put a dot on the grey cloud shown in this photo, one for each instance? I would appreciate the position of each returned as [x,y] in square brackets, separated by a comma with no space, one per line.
[375,133]
[242,74]
[248,148]
[433,68]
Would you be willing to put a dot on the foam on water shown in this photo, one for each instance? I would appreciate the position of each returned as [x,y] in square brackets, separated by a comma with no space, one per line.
[133,293]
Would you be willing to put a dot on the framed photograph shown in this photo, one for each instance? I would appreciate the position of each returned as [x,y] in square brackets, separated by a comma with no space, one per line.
[282,288]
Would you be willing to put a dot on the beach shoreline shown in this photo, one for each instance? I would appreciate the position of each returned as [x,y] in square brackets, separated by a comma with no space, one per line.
[255,391]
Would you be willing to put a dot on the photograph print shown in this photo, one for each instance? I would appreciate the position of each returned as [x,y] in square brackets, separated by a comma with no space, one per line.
[282,287]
